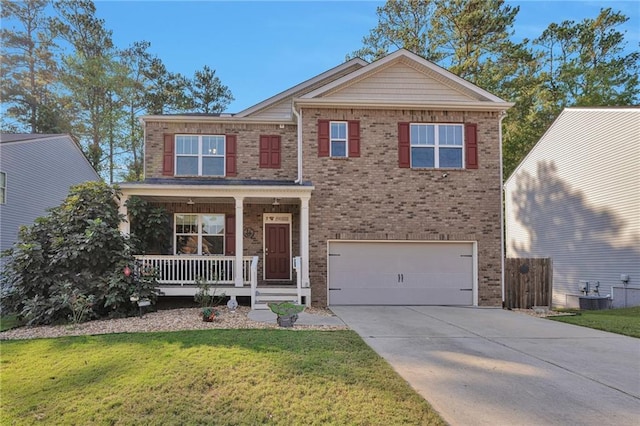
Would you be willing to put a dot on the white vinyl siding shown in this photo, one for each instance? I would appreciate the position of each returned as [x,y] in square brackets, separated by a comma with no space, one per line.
[400,83]
[576,198]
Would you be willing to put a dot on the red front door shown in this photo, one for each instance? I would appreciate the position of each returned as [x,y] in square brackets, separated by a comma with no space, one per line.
[277,253]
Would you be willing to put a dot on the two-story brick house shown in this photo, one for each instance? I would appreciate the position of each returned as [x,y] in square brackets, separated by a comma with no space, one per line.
[371,183]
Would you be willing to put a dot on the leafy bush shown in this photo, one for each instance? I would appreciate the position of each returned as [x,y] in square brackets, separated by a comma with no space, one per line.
[150,229]
[69,264]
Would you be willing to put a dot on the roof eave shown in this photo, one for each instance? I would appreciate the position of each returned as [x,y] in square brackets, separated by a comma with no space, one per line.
[204,119]
[376,104]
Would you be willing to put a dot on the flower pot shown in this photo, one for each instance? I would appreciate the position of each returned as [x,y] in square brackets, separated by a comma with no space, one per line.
[287,320]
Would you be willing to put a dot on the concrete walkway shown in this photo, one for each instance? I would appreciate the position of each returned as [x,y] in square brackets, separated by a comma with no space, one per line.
[485,366]
[304,318]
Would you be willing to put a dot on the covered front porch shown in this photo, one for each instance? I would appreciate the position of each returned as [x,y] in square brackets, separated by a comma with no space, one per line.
[246,239]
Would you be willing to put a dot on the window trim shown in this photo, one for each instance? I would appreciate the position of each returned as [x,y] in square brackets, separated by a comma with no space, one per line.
[332,139]
[200,155]
[436,146]
[3,187]
[199,233]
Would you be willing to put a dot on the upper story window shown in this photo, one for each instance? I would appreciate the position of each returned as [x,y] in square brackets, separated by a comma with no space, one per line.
[338,138]
[200,155]
[436,146]
[199,233]
[3,187]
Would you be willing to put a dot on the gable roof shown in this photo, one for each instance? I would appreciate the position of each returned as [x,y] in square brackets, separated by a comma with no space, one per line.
[19,137]
[305,86]
[403,79]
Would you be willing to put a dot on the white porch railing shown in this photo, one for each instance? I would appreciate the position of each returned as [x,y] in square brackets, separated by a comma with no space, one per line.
[185,269]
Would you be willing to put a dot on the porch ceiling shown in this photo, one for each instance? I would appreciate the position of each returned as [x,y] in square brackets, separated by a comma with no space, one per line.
[267,200]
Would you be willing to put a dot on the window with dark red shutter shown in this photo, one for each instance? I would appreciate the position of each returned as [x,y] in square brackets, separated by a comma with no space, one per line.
[404,146]
[270,152]
[230,155]
[354,138]
[168,157]
[471,145]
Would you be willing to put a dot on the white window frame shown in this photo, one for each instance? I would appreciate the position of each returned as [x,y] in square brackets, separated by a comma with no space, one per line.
[436,145]
[337,139]
[3,187]
[200,155]
[199,234]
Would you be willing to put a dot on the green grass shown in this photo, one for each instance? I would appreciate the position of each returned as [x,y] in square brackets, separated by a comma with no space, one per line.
[222,377]
[621,321]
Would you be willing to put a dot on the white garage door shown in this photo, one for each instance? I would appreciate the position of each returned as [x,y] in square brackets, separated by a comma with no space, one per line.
[400,273]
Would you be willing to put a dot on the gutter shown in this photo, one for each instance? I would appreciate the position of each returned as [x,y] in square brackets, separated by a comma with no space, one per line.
[503,114]
[299,129]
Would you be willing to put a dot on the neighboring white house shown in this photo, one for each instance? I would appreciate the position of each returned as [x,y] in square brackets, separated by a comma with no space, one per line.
[576,198]
[36,172]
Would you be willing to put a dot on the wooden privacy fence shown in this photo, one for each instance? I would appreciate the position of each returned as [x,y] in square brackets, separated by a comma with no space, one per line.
[528,282]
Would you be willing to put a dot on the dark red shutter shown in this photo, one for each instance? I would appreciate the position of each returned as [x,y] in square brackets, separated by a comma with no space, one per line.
[323,138]
[471,145]
[269,152]
[275,152]
[230,156]
[404,146]
[265,144]
[229,235]
[168,158]
[354,138]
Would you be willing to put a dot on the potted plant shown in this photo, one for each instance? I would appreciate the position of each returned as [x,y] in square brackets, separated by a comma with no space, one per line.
[287,312]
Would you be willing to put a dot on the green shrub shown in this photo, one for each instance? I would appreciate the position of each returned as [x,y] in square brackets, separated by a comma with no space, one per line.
[68,266]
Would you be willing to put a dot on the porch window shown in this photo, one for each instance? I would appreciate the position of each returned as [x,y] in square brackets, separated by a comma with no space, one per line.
[200,155]
[436,146]
[200,234]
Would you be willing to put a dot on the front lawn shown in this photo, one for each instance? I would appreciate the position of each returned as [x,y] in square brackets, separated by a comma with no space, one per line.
[621,321]
[220,377]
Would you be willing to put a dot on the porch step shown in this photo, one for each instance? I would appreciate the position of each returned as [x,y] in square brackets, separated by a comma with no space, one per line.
[274,295]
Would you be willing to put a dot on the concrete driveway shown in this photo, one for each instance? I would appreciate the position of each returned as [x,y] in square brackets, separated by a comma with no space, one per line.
[487,366]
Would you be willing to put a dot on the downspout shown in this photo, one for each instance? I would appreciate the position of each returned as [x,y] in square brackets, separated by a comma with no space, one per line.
[299,126]
[503,114]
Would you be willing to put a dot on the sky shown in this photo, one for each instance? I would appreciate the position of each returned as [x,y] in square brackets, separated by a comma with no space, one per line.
[261,48]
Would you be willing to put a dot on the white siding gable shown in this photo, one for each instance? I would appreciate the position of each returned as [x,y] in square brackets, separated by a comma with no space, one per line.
[576,198]
[398,82]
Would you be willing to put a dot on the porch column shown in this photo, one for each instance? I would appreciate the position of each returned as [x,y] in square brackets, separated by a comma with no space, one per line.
[239,272]
[304,239]
[122,209]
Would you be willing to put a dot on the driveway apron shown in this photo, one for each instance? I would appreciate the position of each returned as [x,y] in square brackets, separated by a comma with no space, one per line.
[488,366]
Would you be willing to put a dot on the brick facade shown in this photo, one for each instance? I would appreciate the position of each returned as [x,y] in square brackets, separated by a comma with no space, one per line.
[248,138]
[371,198]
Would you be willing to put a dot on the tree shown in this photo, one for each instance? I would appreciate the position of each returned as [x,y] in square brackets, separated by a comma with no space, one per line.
[167,91]
[29,69]
[401,24]
[208,94]
[93,78]
[74,254]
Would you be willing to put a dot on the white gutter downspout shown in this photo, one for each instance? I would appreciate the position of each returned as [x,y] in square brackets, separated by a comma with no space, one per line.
[503,114]
[299,126]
